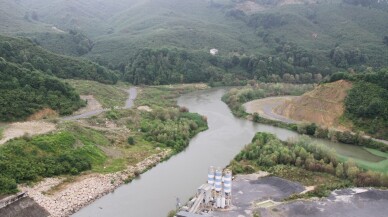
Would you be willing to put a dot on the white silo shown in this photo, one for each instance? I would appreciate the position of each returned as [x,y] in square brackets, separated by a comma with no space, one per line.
[218,181]
[227,182]
[210,176]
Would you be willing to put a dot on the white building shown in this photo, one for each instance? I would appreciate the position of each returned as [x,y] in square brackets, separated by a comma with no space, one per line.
[213,51]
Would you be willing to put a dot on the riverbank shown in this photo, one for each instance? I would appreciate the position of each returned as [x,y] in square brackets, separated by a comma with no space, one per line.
[86,189]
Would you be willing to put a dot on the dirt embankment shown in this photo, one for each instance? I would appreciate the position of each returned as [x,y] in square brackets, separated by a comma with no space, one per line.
[324,105]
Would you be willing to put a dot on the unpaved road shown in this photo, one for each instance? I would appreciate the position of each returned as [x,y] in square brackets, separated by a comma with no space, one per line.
[31,128]
[265,107]
[132,94]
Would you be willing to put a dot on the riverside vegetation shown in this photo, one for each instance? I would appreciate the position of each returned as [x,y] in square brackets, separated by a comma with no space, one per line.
[92,146]
[236,97]
[304,162]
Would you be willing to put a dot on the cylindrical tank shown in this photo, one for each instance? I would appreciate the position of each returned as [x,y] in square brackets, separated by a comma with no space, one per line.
[227,181]
[218,202]
[210,176]
[218,182]
[223,201]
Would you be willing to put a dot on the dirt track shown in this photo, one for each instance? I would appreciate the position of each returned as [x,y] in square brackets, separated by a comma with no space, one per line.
[265,107]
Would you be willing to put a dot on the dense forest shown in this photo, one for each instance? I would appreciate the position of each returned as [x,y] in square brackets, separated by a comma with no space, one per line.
[25,91]
[167,66]
[31,56]
[30,79]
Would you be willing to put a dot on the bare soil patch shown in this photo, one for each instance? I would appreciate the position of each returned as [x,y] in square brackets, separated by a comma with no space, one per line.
[43,114]
[265,107]
[324,105]
[92,104]
[30,128]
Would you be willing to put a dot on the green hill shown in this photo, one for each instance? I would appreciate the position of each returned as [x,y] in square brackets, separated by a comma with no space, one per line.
[25,91]
[30,79]
[26,53]
[280,40]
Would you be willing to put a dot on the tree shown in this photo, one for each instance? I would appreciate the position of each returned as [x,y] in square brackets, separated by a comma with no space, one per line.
[339,170]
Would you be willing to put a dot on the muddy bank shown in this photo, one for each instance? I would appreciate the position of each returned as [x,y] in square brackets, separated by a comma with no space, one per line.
[86,189]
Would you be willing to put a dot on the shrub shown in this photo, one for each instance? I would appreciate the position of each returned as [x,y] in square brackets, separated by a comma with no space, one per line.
[131,140]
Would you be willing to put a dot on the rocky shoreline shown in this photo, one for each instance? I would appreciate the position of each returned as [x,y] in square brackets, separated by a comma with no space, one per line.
[87,189]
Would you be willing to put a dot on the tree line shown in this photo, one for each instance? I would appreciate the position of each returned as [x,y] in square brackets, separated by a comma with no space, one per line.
[168,66]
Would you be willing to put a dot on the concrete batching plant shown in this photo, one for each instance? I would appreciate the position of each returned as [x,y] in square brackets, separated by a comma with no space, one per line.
[215,194]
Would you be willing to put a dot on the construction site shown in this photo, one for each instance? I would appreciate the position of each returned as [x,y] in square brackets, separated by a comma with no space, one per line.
[216,194]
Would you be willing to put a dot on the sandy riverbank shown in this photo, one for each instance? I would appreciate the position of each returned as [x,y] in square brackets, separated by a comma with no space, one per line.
[86,189]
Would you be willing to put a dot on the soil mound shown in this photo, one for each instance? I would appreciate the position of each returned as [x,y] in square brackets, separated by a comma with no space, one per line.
[324,105]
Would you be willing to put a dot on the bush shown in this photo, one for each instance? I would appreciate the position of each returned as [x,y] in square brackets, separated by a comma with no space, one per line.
[131,140]
[7,185]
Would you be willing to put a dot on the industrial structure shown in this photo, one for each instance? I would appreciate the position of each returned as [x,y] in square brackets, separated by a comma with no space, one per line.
[215,194]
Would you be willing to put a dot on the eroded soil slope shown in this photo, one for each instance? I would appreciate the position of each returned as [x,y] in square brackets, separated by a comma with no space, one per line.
[324,105]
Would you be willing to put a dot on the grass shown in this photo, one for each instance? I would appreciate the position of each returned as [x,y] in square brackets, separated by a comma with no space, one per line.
[165,95]
[381,166]
[108,95]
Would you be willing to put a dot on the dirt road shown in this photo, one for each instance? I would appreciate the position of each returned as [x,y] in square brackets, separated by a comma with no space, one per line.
[265,108]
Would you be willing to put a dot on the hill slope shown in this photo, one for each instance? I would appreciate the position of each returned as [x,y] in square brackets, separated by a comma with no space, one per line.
[324,105]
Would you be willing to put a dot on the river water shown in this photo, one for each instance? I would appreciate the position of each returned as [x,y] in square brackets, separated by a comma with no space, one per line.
[154,193]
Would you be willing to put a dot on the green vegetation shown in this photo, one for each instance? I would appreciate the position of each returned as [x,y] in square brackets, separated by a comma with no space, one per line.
[381,166]
[302,161]
[25,91]
[108,95]
[70,151]
[235,98]
[164,96]
[367,102]
[70,43]
[171,128]
[33,57]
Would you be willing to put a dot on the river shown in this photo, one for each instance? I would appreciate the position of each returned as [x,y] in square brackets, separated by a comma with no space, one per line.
[154,193]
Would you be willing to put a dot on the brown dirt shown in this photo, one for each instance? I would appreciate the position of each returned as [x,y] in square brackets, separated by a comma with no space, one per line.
[30,128]
[92,104]
[43,114]
[323,105]
[264,107]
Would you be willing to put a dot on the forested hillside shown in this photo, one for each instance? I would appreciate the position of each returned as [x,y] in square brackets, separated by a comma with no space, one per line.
[31,56]
[367,102]
[29,79]
[25,91]
[165,41]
